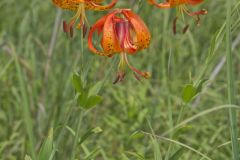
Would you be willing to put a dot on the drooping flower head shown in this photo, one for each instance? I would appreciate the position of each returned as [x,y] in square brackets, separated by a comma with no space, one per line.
[79,6]
[121,32]
[180,5]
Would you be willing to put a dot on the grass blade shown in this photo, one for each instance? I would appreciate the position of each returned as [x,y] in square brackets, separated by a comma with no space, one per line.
[26,106]
[231,87]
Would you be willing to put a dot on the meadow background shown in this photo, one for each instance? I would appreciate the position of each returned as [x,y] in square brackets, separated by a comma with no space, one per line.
[40,117]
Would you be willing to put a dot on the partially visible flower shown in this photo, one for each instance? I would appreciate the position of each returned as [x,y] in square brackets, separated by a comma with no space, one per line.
[79,6]
[180,5]
[122,32]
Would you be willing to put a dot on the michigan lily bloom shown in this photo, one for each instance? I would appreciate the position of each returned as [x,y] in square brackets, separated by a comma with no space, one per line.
[79,6]
[181,6]
[121,32]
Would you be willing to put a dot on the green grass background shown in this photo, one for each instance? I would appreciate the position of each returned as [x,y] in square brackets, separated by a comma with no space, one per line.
[32,103]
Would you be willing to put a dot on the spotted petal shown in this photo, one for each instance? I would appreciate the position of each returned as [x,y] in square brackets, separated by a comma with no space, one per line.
[160,5]
[98,26]
[91,5]
[194,2]
[142,33]
[110,42]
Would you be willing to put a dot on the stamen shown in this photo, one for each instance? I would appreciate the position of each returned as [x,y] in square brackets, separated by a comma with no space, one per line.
[68,28]
[194,15]
[85,29]
[137,77]
[80,24]
[71,31]
[141,73]
[117,79]
[201,12]
[120,77]
[65,27]
[175,25]
[185,29]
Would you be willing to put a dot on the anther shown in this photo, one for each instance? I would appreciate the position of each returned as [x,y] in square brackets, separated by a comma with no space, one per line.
[65,27]
[185,29]
[71,31]
[137,77]
[84,30]
[175,26]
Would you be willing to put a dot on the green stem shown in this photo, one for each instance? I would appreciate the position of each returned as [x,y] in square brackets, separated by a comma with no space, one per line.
[81,114]
[25,105]
[179,119]
[231,88]
[76,136]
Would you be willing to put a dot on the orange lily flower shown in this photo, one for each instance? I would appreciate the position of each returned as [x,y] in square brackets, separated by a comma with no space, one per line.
[181,9]
[124,32]
[79,6]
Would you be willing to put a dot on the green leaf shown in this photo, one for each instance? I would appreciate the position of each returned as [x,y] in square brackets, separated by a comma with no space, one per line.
[93,101]
[136,135]
[89,133]
[77,82]
[137,155]
[97,130]
[189,91]
[94,90]
[92,155]
[177,154]
[47,147]
[156,149]
[27,157]
[82,99]
[200,85]
[124,157]
[182,130]
[70,130]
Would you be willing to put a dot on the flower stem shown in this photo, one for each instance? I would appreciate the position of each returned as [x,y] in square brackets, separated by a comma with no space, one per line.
[76,138]
[231,88]
[80,117]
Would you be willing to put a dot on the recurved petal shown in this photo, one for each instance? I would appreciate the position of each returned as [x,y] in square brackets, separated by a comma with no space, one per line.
[91,5]
[98,26]
[110,42]
[98,1]
[160,5]
[140,29]
[194,2]
[66,4]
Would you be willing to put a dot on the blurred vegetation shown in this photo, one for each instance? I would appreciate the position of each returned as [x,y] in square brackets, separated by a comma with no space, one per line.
[40,113]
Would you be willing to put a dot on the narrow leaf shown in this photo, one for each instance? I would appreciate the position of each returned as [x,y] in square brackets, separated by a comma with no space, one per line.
[92,155]
[89,133]
[94,90]
[77,82]
[177,154]
[27,157]
[189,91]
[47,147]
[93,101]
[138,156]
[82,99]
[200,85]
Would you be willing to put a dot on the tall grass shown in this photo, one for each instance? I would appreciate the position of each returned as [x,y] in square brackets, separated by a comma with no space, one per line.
[25,104]
[40,116]
[231,85]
